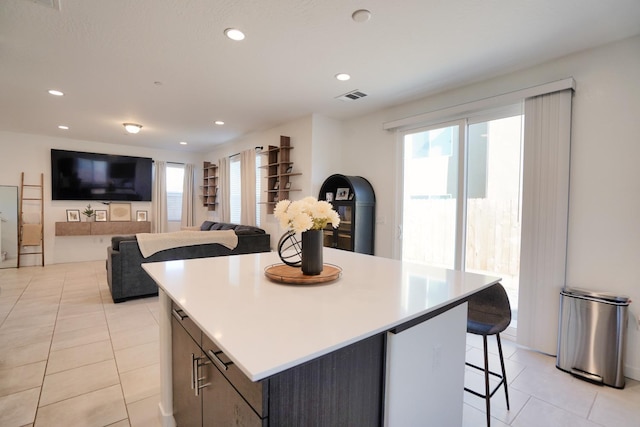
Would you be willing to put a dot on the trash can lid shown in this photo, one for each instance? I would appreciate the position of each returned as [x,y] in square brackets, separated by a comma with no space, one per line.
[606,296]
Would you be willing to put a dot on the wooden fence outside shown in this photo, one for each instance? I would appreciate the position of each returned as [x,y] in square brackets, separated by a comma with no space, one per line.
[493,235]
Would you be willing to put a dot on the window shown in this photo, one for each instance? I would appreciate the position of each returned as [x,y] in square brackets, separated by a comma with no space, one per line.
[175,183]
[235,192]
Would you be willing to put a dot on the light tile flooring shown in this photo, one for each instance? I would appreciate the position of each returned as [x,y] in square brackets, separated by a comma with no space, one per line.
[70,357]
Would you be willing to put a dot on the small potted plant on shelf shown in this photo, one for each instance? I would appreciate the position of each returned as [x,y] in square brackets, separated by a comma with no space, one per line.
[89,212]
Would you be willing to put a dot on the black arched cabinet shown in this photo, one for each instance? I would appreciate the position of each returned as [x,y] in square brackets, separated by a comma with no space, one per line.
[354,200]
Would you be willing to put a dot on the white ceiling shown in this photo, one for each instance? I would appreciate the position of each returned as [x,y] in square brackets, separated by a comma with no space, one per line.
[107,55]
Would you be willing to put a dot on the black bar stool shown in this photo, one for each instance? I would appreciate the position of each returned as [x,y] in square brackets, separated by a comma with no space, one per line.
[489,313]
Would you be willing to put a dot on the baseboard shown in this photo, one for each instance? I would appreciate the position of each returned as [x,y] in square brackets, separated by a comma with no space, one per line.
[632,372]
[166,418]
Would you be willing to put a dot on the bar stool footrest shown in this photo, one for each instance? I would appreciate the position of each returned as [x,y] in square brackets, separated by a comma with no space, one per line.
[484,396]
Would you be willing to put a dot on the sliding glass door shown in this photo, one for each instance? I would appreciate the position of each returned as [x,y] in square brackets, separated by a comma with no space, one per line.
[493,207]
[430,186]
[462,196]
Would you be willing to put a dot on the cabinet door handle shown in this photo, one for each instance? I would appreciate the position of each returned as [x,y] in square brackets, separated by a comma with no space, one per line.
[194,371]
[179,314]
[195,374]
[214,356]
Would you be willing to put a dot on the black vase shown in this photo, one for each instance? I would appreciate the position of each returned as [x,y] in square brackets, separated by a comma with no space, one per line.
[312,252]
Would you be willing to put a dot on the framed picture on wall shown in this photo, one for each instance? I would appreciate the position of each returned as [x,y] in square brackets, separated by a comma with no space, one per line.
[141,215]
[73,215]
[101,216]
[119,211]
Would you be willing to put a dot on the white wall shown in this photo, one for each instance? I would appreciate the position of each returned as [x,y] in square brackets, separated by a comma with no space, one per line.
[604,235]
[326,151]
[31,154]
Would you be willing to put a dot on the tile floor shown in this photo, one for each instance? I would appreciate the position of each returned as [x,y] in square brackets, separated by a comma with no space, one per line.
[70,357]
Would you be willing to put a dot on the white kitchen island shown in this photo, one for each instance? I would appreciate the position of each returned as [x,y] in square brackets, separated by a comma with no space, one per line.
[407,321]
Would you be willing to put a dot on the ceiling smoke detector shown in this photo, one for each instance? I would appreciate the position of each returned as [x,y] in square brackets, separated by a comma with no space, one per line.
[351,96]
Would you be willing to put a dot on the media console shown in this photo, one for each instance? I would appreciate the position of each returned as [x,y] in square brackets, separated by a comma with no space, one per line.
[102,228]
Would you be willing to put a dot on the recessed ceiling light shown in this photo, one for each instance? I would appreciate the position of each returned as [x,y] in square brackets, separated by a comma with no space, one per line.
[63,127]
[343,77]
[132,127]
[183,142]
[234,34]
[219,122]
[55,92]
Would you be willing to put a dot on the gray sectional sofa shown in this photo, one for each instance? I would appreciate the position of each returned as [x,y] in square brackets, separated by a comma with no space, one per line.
[127,279]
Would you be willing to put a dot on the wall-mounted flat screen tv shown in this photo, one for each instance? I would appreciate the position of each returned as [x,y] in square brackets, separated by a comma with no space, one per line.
[91,176]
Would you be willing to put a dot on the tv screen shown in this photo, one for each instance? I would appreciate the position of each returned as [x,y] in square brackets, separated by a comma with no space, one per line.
[91,176]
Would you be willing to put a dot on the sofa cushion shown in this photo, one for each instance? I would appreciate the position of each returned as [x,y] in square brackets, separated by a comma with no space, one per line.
[248,229]
[206,225]
[115,241]
[239,229]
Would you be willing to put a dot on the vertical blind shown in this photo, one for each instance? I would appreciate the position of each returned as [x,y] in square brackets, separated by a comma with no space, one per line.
[545,209]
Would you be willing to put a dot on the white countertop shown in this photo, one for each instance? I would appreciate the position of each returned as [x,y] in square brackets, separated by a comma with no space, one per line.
[267,327]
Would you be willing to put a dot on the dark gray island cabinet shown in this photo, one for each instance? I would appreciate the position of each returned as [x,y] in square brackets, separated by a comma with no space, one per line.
[383,345]
[343,388]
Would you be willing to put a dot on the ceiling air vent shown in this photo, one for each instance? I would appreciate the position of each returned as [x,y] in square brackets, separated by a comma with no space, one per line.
[351,96]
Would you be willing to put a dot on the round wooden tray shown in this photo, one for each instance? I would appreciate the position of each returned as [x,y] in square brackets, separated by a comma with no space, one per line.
[291,275]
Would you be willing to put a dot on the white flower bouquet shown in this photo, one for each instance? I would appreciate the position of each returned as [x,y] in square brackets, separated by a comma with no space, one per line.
[306,214]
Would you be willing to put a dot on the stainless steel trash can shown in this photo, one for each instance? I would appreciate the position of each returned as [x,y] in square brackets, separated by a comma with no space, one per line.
[592,335]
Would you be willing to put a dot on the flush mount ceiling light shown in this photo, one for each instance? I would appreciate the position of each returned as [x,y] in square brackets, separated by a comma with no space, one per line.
[63,127]
[183,142]
[55,92]
[343,77]
[132,127]
[234,34]
[219,122]
[361,15]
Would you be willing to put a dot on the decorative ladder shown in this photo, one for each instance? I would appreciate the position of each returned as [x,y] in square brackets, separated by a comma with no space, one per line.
[27,230]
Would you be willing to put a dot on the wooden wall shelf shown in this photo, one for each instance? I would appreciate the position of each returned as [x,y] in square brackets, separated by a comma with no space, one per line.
[209,185]
[279,170]
[102,228]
